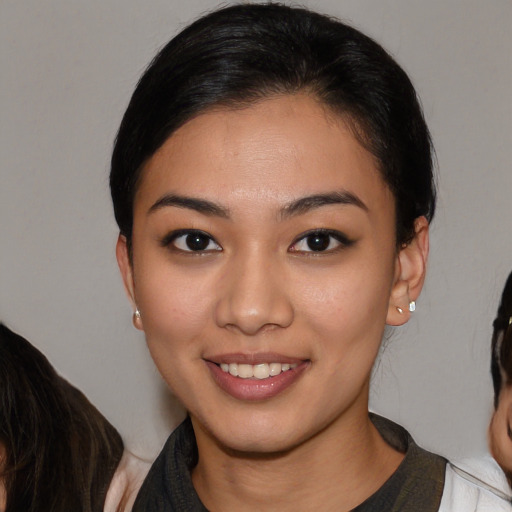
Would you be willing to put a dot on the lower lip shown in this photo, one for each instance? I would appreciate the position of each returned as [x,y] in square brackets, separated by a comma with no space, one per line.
[255,389]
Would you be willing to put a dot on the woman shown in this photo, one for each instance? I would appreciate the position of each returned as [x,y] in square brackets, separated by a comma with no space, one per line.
[500,430]
[272,182]
[484,471]
[57,451]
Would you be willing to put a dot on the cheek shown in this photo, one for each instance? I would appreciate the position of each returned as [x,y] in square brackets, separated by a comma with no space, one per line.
[3,496]
[175,306]
[347,312]
[499,440]
[347,304]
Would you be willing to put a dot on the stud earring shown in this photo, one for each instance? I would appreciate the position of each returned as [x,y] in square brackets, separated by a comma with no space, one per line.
[400,310]
[412,306]
[136,319]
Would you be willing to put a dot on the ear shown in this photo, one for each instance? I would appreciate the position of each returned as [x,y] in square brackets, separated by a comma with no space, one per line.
[410,269]
[125,266]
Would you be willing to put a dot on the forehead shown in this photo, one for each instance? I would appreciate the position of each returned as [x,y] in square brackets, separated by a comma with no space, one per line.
[271,152]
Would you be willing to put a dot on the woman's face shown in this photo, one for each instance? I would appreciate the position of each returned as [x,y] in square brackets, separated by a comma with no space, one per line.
[264,245]
[500,432]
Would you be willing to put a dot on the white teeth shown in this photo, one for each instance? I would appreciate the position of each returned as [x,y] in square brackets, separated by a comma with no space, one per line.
[257,371]
[275,369]
[245,371]
[261,371]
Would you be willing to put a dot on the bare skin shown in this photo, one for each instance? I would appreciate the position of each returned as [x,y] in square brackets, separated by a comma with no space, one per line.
[500,432]
[299,479]
[3,497]
[267,235]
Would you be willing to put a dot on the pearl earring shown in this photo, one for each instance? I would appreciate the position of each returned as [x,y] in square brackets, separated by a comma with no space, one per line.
[400,310]
[412,306]
[136,314]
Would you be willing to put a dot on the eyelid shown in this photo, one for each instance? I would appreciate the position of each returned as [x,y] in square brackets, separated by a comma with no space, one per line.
[168,240]
[344,240]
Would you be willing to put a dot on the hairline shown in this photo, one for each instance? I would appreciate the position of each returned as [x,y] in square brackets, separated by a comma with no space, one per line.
[334,113]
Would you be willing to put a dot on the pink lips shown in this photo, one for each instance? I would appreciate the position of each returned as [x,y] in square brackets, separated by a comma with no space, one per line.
[254,389]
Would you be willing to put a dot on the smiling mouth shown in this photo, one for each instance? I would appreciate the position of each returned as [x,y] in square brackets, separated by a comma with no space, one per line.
[256,377]
[256,371]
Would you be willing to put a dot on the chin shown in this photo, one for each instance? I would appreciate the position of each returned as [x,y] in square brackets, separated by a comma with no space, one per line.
[253,445]
[257,435]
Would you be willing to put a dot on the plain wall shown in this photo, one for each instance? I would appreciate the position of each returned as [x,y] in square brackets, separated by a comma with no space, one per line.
[68,69]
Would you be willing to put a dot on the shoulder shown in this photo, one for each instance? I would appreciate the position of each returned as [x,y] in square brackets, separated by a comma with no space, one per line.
[475,485]
[126,482]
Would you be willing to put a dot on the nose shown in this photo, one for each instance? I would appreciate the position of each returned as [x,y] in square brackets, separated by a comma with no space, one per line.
[254,296]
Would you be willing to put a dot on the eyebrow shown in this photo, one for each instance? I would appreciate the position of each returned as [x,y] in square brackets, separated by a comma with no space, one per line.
[297,207]
[305,204]
[191,203]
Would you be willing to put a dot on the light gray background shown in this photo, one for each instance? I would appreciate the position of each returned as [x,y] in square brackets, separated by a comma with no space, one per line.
[67,71]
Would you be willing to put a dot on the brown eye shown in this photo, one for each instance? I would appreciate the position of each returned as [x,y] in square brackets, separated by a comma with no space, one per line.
[321,241]
[192,241]
[197,241]
[318,241]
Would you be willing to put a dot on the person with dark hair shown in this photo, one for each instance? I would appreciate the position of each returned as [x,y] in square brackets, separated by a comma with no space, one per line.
[58,453]
[484,471]
[272,180]
[500,429]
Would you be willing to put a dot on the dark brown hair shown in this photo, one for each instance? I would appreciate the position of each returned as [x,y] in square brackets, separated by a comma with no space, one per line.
[61,453]
[501,353]
[244,53]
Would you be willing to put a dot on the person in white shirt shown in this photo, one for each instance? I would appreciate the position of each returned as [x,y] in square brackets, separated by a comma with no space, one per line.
[500,429]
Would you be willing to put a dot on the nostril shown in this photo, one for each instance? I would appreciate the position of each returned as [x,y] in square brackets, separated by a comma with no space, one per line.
[253,299]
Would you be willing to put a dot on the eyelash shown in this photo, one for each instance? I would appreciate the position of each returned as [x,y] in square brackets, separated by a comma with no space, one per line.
[342,241]
[170,241]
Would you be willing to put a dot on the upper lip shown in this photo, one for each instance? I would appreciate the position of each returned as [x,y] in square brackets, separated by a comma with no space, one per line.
[255,358]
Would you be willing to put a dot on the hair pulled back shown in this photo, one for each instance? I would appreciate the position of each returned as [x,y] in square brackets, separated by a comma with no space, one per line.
[241,54]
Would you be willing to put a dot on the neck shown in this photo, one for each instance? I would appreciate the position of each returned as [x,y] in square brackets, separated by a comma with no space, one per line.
[338,468]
